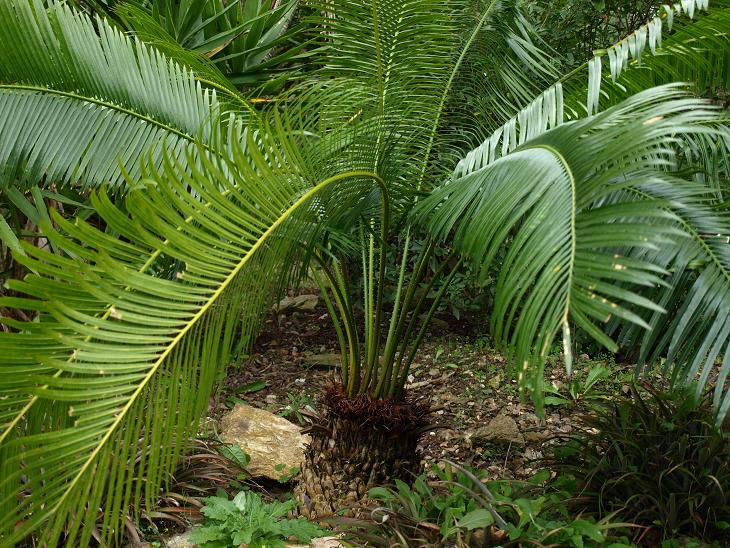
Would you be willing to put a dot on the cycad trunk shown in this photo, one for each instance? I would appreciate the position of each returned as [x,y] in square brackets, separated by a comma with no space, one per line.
[358,444]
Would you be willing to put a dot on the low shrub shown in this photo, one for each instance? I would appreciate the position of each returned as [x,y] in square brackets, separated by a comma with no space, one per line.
[248,520]
[657,460]
[461,510]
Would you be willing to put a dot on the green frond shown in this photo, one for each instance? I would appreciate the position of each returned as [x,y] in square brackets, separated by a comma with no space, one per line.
[97,395]
[505,66]
[78,98]
[552,199]
[411,64]
[396,54]
[697,52]
[693,337]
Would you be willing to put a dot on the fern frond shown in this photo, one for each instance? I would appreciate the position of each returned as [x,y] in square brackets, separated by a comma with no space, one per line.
[698,52]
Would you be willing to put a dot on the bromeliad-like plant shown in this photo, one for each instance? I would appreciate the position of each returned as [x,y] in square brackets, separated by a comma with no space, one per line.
[606,215]
[238,43]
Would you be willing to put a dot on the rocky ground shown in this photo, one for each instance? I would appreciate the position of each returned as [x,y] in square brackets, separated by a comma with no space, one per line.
[478,418]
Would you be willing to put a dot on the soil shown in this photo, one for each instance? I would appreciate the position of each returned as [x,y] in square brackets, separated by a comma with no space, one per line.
[465,382]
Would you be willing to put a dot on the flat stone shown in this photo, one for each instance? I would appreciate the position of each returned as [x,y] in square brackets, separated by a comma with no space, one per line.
[538,435]
[502,429]
[324,542]
[179,541]
[306,303]
[268,439]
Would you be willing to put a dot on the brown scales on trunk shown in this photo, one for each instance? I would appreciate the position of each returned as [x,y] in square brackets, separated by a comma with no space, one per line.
[358,443]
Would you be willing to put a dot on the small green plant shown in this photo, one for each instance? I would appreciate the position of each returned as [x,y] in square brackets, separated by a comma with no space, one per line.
[233,452]
[579,390]
[439,352]
[250,388]
[658,459]
[248,520]
[286,473]
[461,509]
[293,410]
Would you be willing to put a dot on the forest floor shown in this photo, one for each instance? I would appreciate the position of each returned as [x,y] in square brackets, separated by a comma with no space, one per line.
[465,382]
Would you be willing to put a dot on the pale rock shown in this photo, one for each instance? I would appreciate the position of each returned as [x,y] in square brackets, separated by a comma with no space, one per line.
[324,542]
[179,541]
[305,303]
[268,439]
[530,417]
[502,429]
[538,436]
[447,434]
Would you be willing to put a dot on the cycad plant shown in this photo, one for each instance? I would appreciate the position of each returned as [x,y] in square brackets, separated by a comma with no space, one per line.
[607,192]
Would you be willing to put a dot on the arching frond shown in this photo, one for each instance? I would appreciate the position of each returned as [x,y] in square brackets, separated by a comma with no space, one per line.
[414,61]
[97,397]
[693,335]
[78,98]
[558,199]
[504,68]
[697,52]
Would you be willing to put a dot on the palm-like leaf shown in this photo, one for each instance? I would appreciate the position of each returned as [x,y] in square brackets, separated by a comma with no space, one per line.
[405,60]
[698,51]
[116,348]
[97,394]
[503,69]
[694,332]
[553,198]
[102,381]
[75,104]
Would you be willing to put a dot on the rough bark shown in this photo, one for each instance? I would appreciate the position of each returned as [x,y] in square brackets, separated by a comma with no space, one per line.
[348,455]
